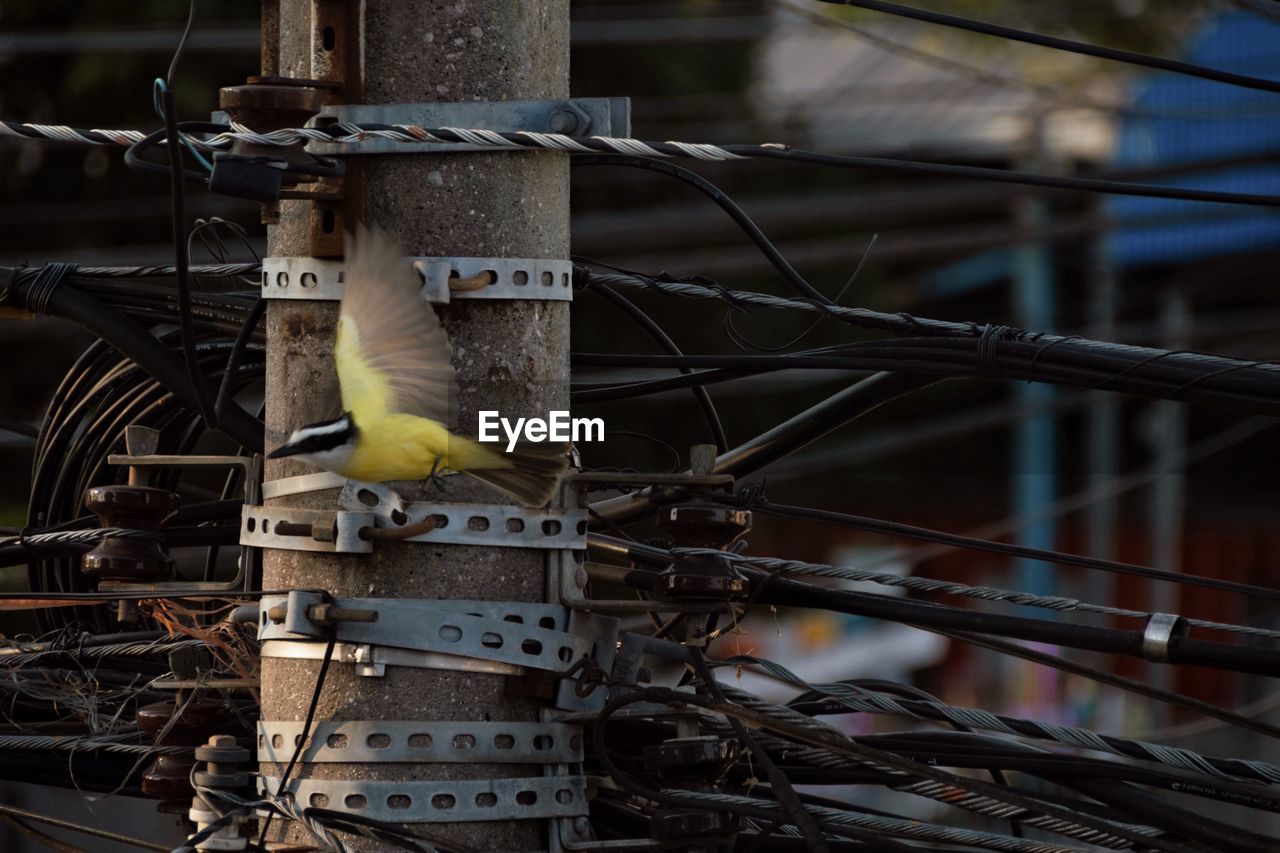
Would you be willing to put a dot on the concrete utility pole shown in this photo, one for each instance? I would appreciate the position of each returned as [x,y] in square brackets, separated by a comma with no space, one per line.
[510,355]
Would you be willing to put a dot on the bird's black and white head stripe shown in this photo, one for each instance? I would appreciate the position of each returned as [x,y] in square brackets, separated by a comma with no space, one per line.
[319,437]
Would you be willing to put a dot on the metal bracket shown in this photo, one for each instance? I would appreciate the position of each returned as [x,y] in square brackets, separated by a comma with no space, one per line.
[602,633]
[571,116]
[372,661]
[527,635]
[250,465]
[471,524]
[422,741]
[301,484]
[442,801]
[290,529]
[509,278]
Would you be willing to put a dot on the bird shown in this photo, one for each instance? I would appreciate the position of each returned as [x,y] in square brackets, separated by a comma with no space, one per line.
[398,389]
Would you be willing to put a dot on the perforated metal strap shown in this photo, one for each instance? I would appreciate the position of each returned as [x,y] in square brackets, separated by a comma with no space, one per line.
[372,661]
[422,741]
[471,524]
[510,278]
[328,531]
[444,801]
[528,635]
[301,484]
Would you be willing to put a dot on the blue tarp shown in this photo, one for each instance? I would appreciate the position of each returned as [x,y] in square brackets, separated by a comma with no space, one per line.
[1180,119]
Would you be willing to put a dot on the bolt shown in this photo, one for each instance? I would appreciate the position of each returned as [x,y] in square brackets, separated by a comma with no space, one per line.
[581,825]
[563,121]
[580,578]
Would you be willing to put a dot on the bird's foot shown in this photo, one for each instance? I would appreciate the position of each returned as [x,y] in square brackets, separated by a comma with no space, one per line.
[435,478]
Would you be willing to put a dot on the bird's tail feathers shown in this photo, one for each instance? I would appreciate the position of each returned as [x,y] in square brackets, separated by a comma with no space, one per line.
[534,473]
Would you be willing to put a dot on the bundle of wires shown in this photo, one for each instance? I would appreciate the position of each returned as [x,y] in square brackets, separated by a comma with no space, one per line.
[133,375]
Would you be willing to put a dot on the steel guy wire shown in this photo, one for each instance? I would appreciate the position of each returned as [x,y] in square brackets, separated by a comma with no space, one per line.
[835,818]
[82,743]
[930,789]
[950,788]
[348,133]
[854,698]
[135,649]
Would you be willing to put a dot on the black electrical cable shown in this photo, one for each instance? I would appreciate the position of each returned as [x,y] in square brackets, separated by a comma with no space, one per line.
[1174,819]
[1129,685]
[783,792]
[664,340]
[306,727]
[893,528]
[828,740]
[743,343]
[143,348]
[717,195]
[1192,377]
[907,690]
[790,593]
[200,390]
[1057,43]
[845,406]
[227,385]
[630,783]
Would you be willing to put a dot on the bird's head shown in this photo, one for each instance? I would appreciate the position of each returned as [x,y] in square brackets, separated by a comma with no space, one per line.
[328,444]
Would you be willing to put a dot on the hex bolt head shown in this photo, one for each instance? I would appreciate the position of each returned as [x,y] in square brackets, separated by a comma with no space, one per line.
[563,121]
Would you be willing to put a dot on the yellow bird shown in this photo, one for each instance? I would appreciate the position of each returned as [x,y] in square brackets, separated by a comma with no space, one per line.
[399,390]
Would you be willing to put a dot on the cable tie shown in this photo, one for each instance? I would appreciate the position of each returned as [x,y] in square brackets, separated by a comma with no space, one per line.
[45,283]
[988,348]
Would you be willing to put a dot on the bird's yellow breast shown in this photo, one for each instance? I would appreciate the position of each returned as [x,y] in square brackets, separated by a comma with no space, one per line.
[398,446]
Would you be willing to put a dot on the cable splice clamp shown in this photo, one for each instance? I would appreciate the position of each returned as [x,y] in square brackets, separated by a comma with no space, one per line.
[1160,631]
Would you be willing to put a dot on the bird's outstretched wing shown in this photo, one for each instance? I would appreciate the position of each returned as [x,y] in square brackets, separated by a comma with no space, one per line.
[391,352]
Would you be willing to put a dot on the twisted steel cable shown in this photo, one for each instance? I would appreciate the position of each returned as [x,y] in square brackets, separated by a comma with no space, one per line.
[857,699]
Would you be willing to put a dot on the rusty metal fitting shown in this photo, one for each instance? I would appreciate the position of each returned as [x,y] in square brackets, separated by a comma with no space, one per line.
[325,614]
[223,757]
[130,558]
[168,778]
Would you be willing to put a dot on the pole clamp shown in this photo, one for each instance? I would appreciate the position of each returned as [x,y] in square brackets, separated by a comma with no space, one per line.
[292,529]
[443,279]
[421,742]
[534,636]
[370,661]
[1160,631]
[442,801]
[500,525]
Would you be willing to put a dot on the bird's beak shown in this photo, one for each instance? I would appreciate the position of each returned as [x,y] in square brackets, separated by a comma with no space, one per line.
[283,450]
